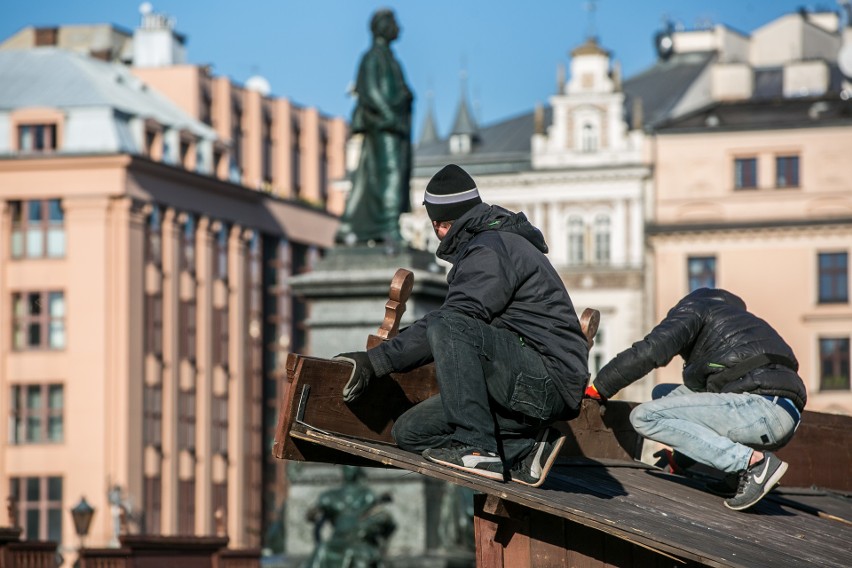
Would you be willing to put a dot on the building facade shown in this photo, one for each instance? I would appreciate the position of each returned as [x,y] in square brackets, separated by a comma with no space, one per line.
[753,193]
[147,311]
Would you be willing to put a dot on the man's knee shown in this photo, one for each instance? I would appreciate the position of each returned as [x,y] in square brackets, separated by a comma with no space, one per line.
[404,435]
[641,418]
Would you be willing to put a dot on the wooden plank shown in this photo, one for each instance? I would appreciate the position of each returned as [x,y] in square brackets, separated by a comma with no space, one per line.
[321,404]
[548,546]
[647,508]
[489,553]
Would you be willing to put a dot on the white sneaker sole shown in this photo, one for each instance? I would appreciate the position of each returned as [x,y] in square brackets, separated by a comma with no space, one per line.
[479,472]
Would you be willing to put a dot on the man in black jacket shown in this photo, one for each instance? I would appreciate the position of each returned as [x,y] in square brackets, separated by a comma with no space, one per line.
[509,351]
[741,395]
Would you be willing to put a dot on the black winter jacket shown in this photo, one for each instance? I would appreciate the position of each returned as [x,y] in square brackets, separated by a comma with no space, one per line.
[712,331]
[500,275]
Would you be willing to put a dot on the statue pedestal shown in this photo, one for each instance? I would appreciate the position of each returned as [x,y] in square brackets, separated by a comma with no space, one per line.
[348,289]
[347,292]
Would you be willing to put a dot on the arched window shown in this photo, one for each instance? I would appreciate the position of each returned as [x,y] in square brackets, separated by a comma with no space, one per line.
[576,244]
[602,239]
[589,138]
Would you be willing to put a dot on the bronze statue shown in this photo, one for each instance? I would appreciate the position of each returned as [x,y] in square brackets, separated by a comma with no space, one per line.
[361,526]
[383,116]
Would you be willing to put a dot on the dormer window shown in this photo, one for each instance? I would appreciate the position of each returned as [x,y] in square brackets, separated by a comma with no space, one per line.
[460,144]
[36,137]
[589,138]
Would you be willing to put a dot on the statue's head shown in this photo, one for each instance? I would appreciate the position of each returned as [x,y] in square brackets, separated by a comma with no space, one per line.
[384,24]
[352,473]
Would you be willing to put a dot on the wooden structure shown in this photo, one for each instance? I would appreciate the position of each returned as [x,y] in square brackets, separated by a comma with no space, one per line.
[599,506]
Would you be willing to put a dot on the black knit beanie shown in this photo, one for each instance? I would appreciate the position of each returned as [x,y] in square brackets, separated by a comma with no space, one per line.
[450,194]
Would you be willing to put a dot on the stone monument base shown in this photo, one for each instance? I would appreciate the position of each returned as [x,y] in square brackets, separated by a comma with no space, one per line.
[347,291]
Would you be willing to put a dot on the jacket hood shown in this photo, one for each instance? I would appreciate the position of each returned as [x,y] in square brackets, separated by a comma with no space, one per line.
[484,217]
[717,294]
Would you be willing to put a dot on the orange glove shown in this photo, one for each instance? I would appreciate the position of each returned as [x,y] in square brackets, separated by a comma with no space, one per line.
[592,392]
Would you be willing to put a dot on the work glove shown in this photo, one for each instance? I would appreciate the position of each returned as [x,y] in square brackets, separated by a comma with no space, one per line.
[592,392]
[362,374]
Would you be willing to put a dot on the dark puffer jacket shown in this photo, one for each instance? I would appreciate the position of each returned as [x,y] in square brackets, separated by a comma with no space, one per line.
[712,331]
[501,276]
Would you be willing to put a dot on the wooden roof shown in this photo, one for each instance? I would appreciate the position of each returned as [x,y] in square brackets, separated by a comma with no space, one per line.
[666,513]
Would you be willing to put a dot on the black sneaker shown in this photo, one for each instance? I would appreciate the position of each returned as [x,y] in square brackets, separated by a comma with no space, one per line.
[533,469]
[467,458]
[756,482]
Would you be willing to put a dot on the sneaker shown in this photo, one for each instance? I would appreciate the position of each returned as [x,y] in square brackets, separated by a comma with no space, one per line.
[467,458]
[756,482]
[533,469]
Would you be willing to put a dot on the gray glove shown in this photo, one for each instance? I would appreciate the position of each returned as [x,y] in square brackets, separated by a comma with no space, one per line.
[362,374]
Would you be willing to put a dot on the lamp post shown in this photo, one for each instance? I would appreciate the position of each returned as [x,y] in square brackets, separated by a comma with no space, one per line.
[82,514]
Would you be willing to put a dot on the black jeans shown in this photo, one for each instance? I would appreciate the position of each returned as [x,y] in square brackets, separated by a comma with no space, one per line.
[495,392]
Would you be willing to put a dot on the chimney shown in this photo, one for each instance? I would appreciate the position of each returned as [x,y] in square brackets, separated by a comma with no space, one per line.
[155,43]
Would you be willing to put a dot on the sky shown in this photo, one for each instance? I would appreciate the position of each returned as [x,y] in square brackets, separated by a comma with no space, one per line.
[508,50]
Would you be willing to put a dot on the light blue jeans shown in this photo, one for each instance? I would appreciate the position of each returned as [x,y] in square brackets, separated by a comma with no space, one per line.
[719,430]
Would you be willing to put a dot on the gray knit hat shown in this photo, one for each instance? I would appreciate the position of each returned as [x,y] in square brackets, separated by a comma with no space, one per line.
[450,194]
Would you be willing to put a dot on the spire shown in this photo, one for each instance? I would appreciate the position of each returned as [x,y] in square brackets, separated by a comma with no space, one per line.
[465,132]
[464,123]
[429,132]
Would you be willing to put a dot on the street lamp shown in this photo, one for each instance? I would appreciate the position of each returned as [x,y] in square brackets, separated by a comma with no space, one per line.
[82,514]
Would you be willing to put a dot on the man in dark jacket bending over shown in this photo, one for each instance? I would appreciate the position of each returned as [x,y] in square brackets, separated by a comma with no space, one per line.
[509,352]
[741,394]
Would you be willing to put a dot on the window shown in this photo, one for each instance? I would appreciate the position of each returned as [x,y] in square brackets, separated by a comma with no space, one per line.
[186,419]
[221,270]
[36,414]
[834,363]
[154,324]
[39,502]
[576,240]
[38,229]
[221,342]
[219,424]
[833,275]
[602,240]
[154,237]
[36,137]
[150,141]
[186,507]
[38,320]
[745,173]
[188,327]
[236,167]
[152,415]
[787,171]
[295,162]
[152,490]
[187,248]
[266,151]
[701,272]
[589,138]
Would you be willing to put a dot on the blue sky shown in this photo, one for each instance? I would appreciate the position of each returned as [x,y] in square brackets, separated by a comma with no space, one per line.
[309,49]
